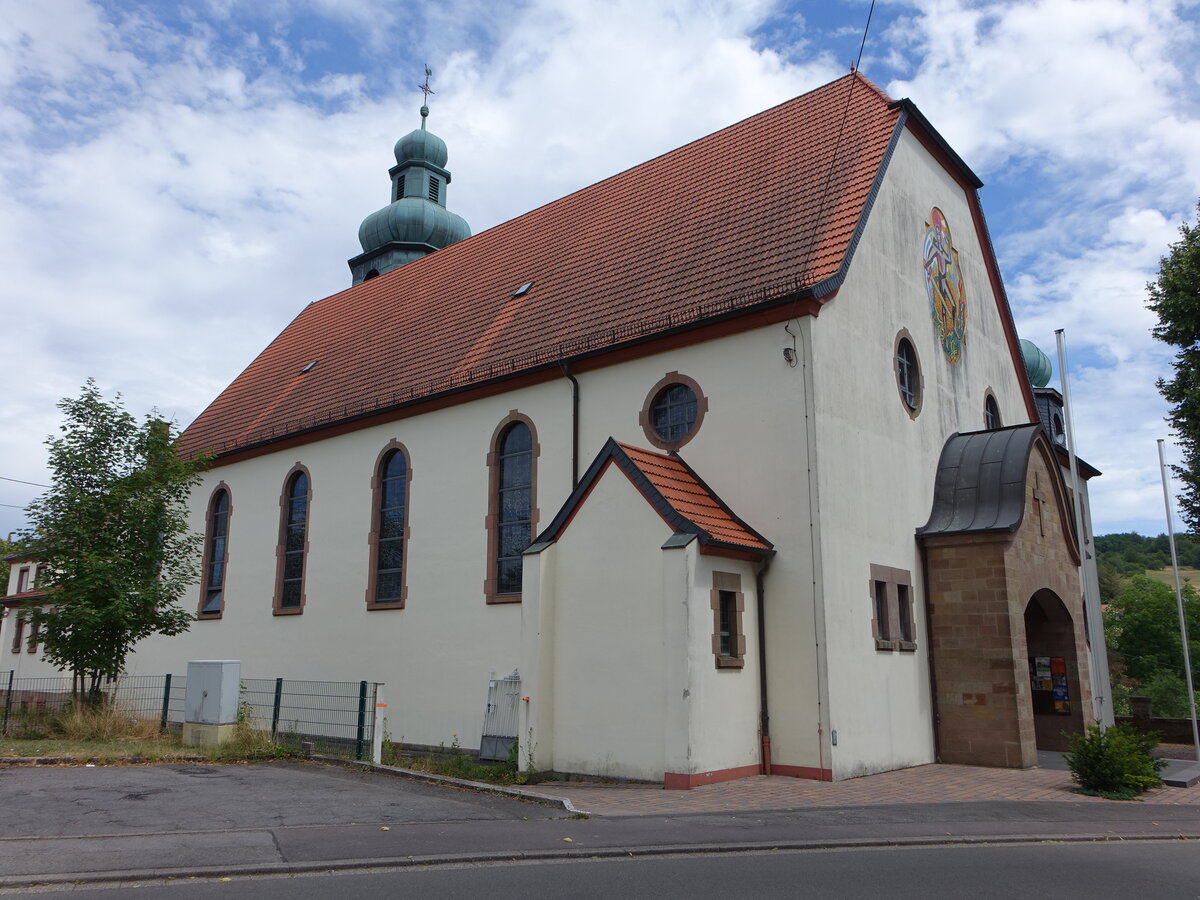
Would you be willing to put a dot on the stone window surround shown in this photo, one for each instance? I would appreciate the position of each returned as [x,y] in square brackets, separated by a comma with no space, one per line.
[645,417]
[35,636]
[207,558]
[23,579]
[280,544]
[373,530]
[728,582]
[892,578]
[919,387]
[492,519]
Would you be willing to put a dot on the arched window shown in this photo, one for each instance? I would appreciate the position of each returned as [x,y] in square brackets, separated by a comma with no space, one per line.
[908,373]
[216,555]
[513,509]
[991,413]
[293,544]
[389,530]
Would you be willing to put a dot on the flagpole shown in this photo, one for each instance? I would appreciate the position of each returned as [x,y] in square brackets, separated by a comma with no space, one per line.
[1091,603]
[1187,654]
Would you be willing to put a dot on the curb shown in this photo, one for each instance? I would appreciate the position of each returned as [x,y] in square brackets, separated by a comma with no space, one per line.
[439,859]
[482,787]
[97,760]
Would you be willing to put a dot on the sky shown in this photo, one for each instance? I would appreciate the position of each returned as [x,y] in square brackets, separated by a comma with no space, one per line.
[178,179]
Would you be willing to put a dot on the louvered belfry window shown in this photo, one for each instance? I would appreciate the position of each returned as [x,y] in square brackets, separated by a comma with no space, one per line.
[435,190]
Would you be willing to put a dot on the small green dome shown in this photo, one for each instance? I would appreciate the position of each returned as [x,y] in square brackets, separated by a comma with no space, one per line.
[420,145]
[1037,364]
[412,220]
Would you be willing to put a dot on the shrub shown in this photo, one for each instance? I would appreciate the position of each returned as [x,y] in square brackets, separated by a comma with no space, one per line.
[1114,763]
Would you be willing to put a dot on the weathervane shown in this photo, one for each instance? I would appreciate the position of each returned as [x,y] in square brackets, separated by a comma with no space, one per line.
[425,87]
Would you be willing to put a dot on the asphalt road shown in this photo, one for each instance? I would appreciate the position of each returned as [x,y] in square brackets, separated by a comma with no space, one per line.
[154,824]
[1164,871]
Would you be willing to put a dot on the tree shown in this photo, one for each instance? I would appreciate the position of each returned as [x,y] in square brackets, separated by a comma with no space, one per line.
[112,533]
[1175,299]
[1142,624]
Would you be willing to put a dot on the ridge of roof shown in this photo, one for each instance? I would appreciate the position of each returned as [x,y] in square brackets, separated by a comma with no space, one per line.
[675,491]
[619,262]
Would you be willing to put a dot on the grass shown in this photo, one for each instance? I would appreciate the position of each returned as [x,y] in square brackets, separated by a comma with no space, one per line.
[105,732]
[1167,575]
[150,750]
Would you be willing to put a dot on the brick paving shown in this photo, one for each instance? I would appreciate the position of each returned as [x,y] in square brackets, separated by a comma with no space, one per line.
[938,783]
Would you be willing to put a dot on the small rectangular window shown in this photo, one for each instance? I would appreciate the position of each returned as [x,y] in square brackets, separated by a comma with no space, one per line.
[728,604]
[435,189]
[892,625]
[35,634]
[22,579]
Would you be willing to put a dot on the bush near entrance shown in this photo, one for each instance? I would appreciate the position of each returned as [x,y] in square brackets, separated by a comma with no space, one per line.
[1115,763]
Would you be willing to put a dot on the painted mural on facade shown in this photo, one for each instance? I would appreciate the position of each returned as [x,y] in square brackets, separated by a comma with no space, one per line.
[944,284]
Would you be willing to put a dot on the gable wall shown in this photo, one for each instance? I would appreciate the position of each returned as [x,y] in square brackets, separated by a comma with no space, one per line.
[876,464]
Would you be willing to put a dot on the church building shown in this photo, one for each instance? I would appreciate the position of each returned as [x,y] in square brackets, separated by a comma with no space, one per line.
[732,459]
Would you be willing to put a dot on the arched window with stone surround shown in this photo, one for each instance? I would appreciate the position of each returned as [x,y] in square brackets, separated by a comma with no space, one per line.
[292,551]
[512,506]
[216,554]
[387,584]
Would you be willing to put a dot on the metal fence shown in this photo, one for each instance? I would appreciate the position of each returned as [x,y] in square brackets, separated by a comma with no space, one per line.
[30,705]
[338,717]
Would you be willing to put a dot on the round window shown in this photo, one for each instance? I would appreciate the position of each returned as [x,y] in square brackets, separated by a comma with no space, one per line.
[673,412]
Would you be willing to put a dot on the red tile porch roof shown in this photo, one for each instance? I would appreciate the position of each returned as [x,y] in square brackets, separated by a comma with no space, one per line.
[677,494]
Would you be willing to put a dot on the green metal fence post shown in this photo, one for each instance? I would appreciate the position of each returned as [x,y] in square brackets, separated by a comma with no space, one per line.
[275,710]
[8,700]
[362,719]
[166,704]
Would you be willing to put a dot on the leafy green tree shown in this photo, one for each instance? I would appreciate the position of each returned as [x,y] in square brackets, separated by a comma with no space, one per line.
[112,533]
[1175,299]
[1142,624]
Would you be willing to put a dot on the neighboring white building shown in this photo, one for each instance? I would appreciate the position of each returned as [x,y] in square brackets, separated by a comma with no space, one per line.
[758,404]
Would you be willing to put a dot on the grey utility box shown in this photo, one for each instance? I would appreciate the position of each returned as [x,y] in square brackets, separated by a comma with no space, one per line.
[213,686]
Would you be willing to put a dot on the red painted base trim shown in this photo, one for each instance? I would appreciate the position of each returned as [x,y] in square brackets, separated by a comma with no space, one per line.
[810,772]
[674,781]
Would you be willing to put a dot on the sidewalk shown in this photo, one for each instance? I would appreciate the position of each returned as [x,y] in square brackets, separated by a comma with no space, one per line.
[936,783]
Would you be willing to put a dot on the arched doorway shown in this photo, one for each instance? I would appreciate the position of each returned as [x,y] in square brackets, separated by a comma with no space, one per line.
[1053,670]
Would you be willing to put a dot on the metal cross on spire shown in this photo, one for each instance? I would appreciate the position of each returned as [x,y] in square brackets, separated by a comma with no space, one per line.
[425,87]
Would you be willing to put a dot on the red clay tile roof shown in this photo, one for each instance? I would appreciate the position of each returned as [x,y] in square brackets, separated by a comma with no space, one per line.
[675,491]
[23,597]
[760,211]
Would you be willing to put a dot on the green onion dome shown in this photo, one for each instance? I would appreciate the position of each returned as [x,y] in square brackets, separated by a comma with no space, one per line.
[412,220]
[1037,364]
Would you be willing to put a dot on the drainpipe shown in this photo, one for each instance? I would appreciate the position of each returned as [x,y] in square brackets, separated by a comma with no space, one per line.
[566,368]
[764,715]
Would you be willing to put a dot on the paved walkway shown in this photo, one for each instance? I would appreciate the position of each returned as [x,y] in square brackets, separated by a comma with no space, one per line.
[937,783]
